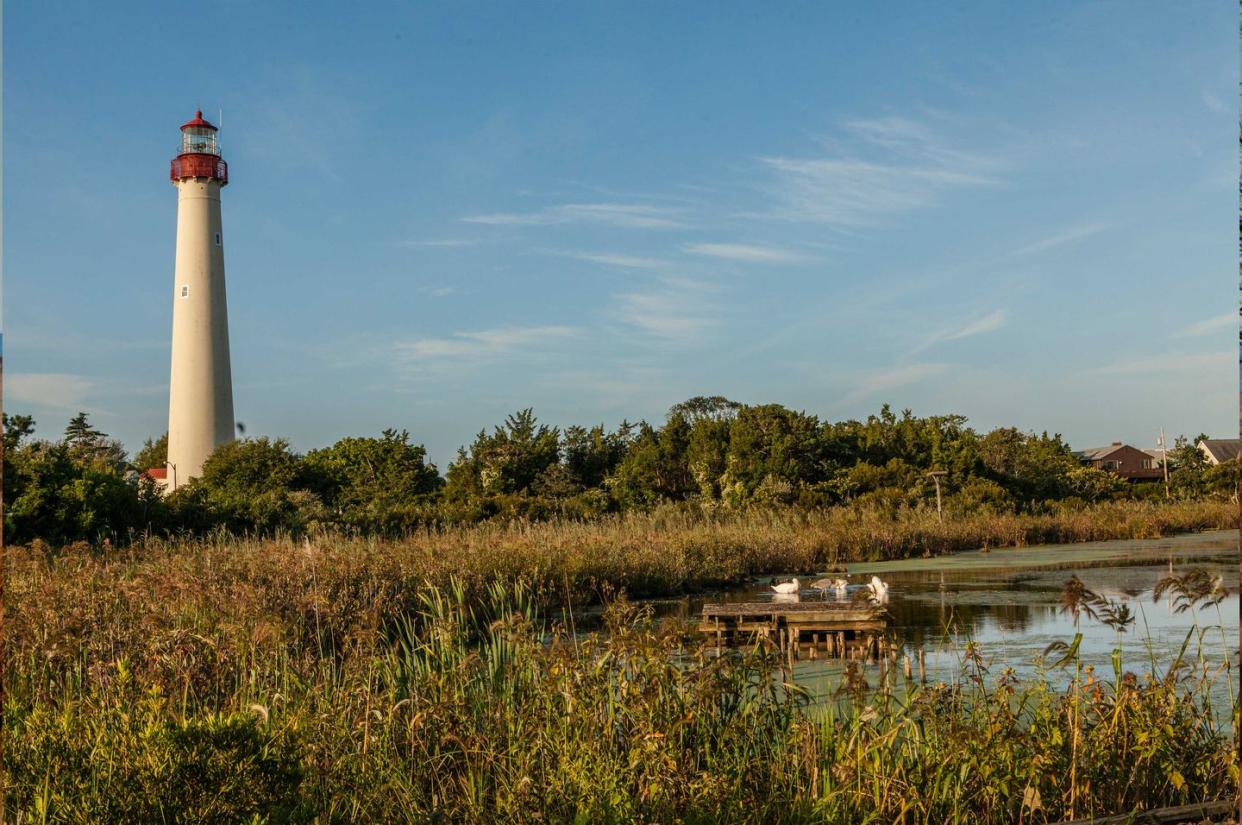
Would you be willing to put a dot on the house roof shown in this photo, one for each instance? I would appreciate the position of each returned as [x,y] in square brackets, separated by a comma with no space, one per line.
[1097,453]
[156,472]
[1221,449]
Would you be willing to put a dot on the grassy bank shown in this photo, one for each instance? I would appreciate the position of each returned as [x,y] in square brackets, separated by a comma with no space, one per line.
[210,603]
[339,679]
[469,713]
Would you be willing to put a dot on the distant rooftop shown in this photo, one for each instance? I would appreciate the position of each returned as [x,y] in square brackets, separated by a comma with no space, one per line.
[1097,453]
[1221,449]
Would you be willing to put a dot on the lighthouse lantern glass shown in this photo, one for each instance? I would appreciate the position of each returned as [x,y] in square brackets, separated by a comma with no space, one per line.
[199,140]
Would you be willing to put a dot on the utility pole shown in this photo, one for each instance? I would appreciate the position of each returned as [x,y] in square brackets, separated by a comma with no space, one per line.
[936,475]
[1164,462]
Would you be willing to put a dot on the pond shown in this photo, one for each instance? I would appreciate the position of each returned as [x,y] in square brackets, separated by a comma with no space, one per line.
[1007,601]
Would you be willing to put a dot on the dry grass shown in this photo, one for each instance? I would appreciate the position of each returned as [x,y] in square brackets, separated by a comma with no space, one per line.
[344,679]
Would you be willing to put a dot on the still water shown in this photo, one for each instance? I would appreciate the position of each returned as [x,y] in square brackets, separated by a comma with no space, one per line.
[1006,601]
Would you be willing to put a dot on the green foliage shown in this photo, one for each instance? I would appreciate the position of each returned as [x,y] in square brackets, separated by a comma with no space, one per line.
[705,408]
[88,445]
[252,485]
[591,456]
[154,454]
[17,428]
[1033,467]
[979,496]
[655,468]
[1092,484]
[508,461]
[1191,476]
[79,432]
[469,707]
[110,761]
[710,453]
[70,490]
[374,484]
[773,453]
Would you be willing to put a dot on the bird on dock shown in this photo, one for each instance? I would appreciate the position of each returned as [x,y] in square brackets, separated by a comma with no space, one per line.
[879,590]
[786,588]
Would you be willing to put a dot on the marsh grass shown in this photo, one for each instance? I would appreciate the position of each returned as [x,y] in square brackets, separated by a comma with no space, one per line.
[345,680]
[483,714]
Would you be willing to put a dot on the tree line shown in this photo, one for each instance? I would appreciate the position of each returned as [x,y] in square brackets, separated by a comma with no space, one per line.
[709,453]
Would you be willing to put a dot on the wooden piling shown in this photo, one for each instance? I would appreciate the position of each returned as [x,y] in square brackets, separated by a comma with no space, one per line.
[841,629]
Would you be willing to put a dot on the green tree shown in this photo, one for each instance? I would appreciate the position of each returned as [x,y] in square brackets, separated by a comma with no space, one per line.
[707,455]
[89,445]
[375,484]
[506,462]
[656,466]
[63,491]
[1032,467]
[251,485]
[1092,484]
[1188,468]
[79,432]
[17,428]
[154,454]
[773,453]
[590,456]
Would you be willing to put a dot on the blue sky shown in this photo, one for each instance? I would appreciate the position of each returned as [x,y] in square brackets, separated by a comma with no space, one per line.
[441,213]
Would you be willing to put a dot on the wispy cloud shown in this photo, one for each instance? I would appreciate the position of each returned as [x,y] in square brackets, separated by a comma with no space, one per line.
[481,345]
[625,215]
[1211,101]
[988,323]
[57,390]
[441,242]
[878,168]
[677,311]
[1172,363]
[1068,236]
[747,252]
[878,381]
[615,259]
[1219,323]
[617,387]
[437,291]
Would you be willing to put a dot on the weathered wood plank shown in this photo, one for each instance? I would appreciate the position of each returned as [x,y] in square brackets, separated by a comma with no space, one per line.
[1165,816]
[788,608]
[785,623]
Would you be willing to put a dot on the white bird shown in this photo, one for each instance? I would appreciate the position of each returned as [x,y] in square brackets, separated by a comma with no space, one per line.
[879,590]
[786,587]
[839,585]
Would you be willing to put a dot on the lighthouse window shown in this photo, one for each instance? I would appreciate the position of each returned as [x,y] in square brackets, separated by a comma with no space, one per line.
[217,239]
[185,291]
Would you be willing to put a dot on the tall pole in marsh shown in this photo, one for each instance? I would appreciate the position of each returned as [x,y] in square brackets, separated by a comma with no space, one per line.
[936,476]
[200,392]
[1164,462]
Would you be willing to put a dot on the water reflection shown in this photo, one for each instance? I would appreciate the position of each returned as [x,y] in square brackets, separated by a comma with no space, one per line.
[1007,602]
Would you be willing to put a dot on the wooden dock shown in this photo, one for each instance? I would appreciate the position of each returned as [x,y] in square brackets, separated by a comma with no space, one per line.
[839,629]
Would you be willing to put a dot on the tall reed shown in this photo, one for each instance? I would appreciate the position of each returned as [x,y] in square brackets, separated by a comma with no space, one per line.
[474,711]
[344,679]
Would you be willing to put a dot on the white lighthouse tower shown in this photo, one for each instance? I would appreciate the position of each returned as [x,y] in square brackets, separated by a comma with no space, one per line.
[200,396]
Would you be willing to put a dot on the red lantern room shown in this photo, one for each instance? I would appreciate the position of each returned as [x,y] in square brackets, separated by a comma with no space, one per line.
[200,154]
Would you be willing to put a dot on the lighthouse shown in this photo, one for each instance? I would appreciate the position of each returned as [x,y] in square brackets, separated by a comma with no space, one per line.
[200,391]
